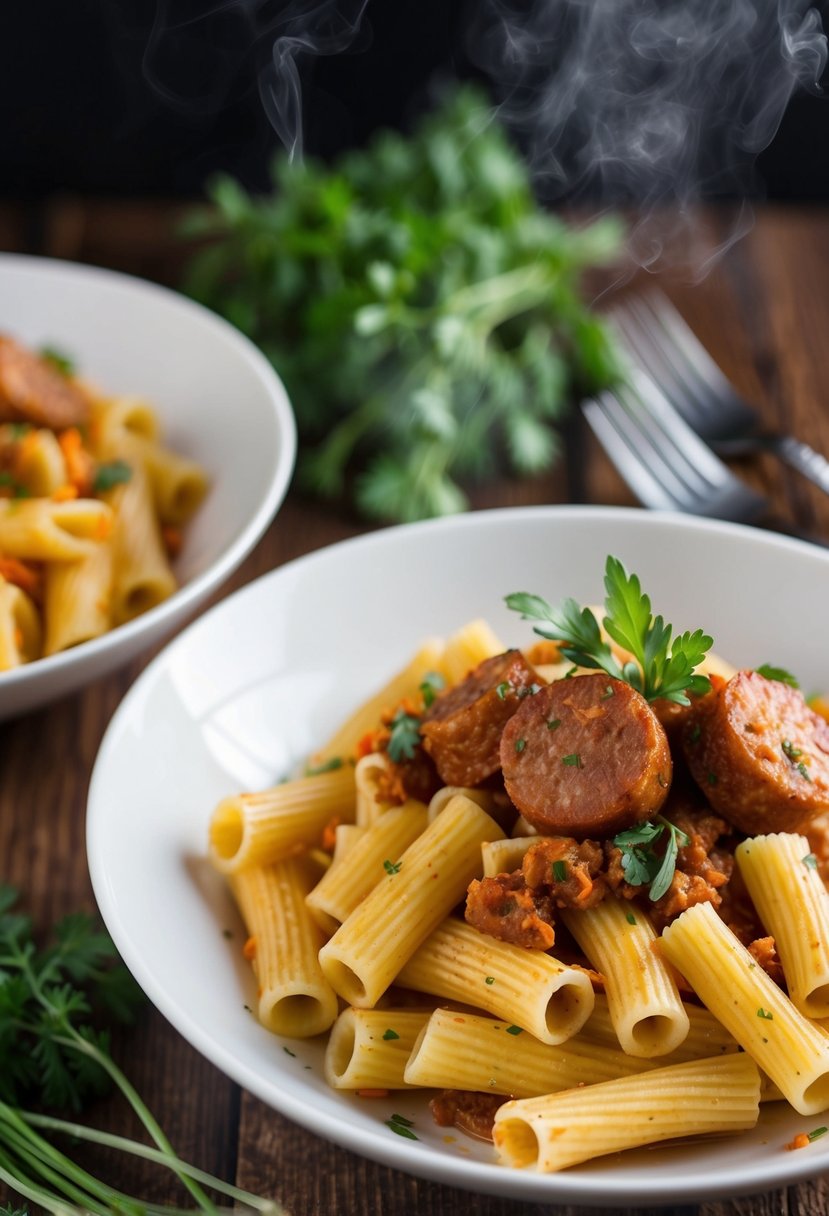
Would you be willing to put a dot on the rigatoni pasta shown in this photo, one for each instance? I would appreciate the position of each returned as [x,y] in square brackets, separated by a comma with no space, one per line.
[91,504]
[440,913]
[411,898]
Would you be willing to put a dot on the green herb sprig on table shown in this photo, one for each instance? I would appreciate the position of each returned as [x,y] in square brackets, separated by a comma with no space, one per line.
[664,665]
[53,1056]
[421,307]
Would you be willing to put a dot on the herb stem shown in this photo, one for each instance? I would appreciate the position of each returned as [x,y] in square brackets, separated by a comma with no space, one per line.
[109,1140]
[141,1109]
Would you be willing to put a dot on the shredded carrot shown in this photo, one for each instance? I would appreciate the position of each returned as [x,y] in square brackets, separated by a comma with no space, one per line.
[801,1140]
[249,949]
[103,528]
[372,1093]
[79,463]
[65,493]
[368,743]
[586,885]
[24,575]
[329,833]
[173,540]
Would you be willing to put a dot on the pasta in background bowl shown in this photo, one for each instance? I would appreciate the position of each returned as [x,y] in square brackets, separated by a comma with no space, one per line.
[285,670]
[216,402]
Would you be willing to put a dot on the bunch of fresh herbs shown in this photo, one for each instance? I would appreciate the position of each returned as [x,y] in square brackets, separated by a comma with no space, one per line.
[422,309]
[55,1056]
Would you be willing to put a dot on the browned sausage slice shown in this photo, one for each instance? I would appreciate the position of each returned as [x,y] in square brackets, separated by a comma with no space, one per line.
[461,730]
[586,757]
[31,390]
[760,754]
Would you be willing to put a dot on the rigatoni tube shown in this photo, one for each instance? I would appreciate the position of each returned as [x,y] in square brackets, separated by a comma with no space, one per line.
[460,1050]
[792,1051]
[413,895]
[642,996]
[701,1097]
[531,989]
[369,1048]
[253,829]
[294,997]
[781,874]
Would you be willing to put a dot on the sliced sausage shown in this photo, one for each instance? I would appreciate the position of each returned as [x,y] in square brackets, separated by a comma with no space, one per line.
[760,754]
[585,757]
[31,390]
[461,730]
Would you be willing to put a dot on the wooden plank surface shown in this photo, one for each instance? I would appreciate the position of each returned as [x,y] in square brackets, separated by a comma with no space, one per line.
[764,313]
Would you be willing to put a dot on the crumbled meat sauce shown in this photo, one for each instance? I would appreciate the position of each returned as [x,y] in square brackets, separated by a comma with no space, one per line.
[560,872]
[763,950]
[506,908]
[701,870]
[470,1112]
[568,868]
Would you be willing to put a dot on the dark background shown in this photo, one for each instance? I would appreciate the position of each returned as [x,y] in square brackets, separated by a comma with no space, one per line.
[150,97]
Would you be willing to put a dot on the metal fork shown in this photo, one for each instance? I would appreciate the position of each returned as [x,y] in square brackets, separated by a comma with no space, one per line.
[663,343]
[664,462]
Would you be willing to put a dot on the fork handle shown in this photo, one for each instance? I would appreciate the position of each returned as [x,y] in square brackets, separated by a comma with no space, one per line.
[804,459]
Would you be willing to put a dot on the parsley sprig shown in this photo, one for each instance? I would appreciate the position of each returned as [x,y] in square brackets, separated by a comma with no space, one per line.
[422,308]
[641,864]
[663,665]
[53,1054]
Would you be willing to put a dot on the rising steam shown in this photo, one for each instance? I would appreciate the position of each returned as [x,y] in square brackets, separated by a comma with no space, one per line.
[228,41]
[654,103]
[325,28]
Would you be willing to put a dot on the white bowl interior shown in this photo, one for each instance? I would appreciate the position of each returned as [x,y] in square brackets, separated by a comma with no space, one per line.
[219,401]
[255,685]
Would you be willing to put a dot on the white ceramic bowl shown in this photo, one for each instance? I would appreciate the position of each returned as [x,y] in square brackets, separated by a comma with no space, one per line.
[262,679]
[219,400]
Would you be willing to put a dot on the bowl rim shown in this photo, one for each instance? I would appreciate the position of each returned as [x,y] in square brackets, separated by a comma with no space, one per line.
[564,1188]
[198,588]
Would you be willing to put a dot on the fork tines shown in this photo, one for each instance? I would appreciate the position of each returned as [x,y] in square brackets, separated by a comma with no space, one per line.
[661,458]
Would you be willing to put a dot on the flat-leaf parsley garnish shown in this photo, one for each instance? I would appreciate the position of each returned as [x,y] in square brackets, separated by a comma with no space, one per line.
[430,686]
[641,865]
[404,736]
[664,665]
[114,473]
[402,1126]
[777,673]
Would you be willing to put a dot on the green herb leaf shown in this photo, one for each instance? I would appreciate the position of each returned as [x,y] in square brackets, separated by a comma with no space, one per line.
[422,308]
[113,473]
[327,766]
[574,760]
[664,669]
[430,686]
[560,871]
[392,867]
[816,1133]
[514,1030]
[490,979]
[641,865]
[764,1013]
[404,737]
[777,673]
[390,1034]
[58,359]
[401,1126]
[810,861]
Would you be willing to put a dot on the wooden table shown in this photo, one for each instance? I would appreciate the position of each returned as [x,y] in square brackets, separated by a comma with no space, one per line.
[763,311]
